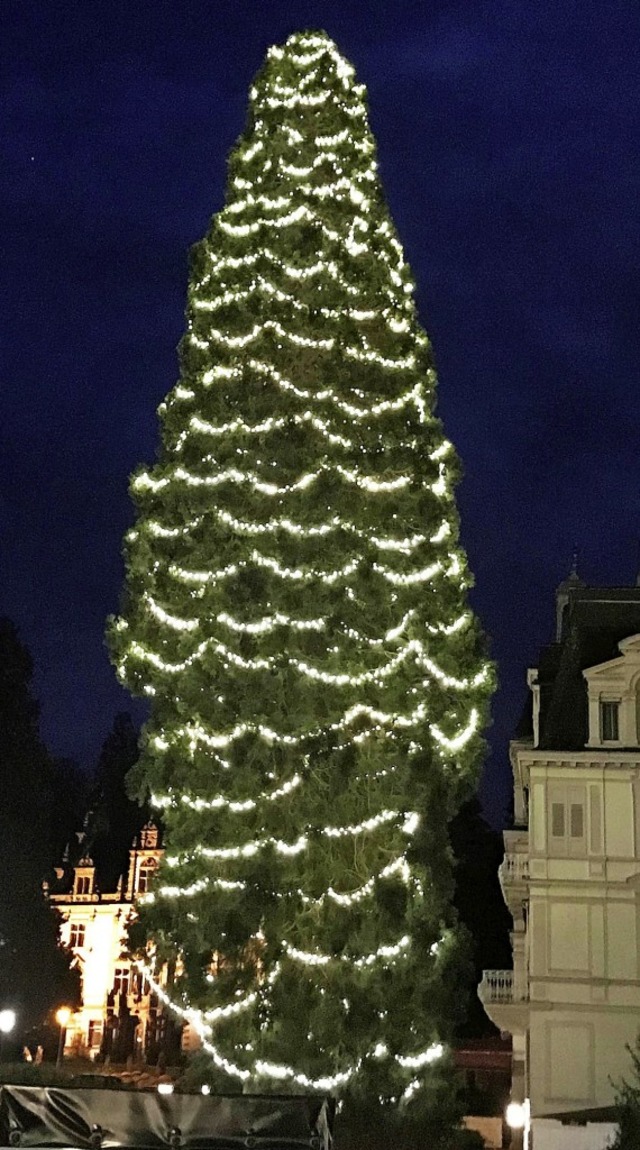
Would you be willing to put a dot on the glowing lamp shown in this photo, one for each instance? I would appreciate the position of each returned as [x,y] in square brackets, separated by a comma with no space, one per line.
[515,1116]
[63,1016]
[7,1021]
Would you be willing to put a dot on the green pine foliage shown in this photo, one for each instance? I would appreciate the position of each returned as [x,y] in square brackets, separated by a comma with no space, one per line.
[296,611]
[627,1109]
[113,820]
[35,974]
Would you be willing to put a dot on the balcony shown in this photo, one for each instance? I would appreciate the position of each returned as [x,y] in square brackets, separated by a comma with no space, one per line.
[499,986]
[514,868]
[505,1000]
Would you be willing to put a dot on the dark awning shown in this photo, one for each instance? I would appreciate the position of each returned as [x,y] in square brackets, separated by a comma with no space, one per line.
[47,1116]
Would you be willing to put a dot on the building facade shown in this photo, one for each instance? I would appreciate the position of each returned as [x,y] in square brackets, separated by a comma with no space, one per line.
[571,872]
[119,1017]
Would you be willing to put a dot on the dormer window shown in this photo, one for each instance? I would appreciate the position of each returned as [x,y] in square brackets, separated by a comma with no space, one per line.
[149,837]
[613,698]
[145,874]
[609,720]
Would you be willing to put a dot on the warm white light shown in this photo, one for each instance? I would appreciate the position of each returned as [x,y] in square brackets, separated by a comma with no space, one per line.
[165,1088]
[63,1016]
[516,1115]
[223,502]
[277,1072]
[7,1021]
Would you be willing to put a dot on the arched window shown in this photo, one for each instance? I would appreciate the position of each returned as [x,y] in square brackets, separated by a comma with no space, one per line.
[145,875]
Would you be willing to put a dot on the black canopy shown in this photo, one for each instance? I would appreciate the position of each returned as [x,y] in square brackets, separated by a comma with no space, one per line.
[47,1116]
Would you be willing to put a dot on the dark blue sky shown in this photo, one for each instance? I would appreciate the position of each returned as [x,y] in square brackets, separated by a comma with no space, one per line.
[508,140]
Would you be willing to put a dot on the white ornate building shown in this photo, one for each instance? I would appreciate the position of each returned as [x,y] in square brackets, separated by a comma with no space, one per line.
[571,872]
[118,1016]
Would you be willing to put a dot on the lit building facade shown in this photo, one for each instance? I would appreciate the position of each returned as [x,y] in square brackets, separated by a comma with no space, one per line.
[119,1016]
[571,872]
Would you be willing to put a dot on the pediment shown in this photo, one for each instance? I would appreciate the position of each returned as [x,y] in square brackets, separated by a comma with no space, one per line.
[629,656]
[630,647]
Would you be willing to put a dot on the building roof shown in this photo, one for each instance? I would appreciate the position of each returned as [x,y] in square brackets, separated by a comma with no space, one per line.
[60,889]
[492,1052]
[598,619]
[595,1114]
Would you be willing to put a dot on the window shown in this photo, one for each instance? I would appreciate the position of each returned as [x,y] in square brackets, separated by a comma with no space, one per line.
[83,884]
[557,820]
[135,984]
[609,725]
[149,837]
[95,1033]
[576,823]
[567,820]
[121,980]
[144,876]
[76,936]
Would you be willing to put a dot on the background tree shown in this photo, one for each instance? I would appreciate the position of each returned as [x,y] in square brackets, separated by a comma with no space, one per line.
[34,972]
[296,612]
[70,790]
[627,1106]
[478,852]
[114,818]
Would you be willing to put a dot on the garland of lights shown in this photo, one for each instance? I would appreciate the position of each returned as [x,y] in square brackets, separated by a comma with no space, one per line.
[249,849]
[398,866]
[279,1073]
[377,675]
[195,733]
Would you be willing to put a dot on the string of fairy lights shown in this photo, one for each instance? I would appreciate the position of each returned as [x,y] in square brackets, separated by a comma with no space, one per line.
[397,868]
[193,736]
[186,616]
[413,647]
[277,1072]
[220,372]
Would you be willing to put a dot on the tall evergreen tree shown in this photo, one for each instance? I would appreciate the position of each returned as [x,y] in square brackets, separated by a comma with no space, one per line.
[296,611]
[114,819]
[69,798]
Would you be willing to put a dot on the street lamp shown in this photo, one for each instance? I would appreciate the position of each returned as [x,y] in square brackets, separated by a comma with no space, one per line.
[62,1018]
[518,1116]
[7,1023]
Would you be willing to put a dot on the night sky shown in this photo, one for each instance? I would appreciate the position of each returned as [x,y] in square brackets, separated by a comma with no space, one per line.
[508,138]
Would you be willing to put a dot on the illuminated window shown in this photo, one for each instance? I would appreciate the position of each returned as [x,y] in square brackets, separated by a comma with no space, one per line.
[76,935]
[121,978]
[145,875]
[609,725]
[94,1036]
[149,837]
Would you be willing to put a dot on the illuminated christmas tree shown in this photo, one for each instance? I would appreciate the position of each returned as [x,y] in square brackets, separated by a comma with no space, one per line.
[297,614]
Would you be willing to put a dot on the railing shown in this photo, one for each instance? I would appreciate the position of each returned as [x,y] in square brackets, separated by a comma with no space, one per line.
[514,868]
[499,986]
